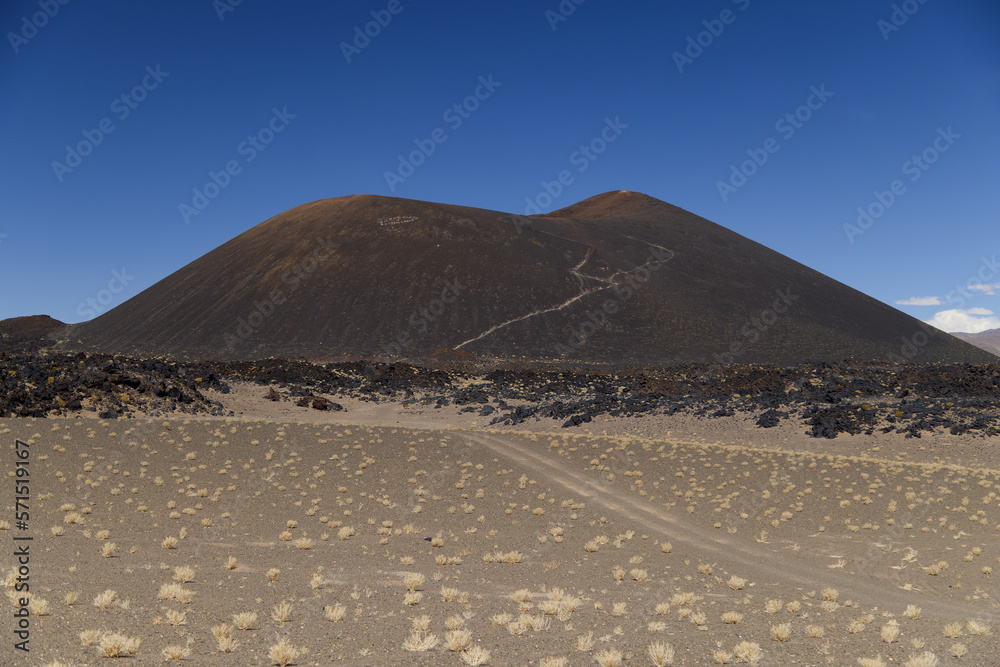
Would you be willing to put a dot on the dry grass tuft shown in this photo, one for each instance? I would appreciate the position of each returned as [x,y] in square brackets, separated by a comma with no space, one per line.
[282,612]
[283,653]
[105,599]
[89,637]
[609,657]
[925,659]
[334,613]
[175,617]
[661,653]
[175,592]
[414,580]
[420,641]
[176,653]
[457,640]
[684,599]
[721,657]
[476,655]
[38,607]
[889,632]
[748,652]
[814,631]
[245,620]
[501,620]
[978,628]
[227,644]
[877,661]
[782,632]
[553,661]
[450,594]
[222,630]
[114,645]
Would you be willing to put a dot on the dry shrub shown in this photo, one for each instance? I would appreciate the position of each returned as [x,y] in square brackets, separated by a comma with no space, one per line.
[609,657]
[283,653]
[105,599]
[176,653]
[245,620]
[414,580]
[925,659]
[281,612]
[748,652]
[661,653]
[420,641]
[115,645]
[457,640]
[889,632]
[476,655]
[334,613]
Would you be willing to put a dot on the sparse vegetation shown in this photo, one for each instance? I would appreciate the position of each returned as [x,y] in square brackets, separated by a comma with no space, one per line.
[588,578]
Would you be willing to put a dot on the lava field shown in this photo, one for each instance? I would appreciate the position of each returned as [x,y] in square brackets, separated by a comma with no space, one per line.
[852,396]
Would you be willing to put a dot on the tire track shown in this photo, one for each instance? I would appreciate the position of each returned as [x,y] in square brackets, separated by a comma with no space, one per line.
[765,563]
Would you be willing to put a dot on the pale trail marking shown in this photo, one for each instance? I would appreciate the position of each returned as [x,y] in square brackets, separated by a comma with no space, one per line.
[609,282]
[764,563]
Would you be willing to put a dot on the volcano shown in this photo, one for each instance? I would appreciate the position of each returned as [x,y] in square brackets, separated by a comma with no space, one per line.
[620,279]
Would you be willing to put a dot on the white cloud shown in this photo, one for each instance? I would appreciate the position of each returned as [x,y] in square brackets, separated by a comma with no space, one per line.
[985,288]
[972,320]
[920,301]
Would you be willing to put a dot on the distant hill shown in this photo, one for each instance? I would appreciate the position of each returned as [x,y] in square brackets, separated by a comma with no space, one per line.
[987,340]
[617,279]
[29,326]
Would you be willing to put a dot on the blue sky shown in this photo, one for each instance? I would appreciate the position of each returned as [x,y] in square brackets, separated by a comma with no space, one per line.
[776,119]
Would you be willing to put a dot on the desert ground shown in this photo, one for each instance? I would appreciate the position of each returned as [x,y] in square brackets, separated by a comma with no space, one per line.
[392,535]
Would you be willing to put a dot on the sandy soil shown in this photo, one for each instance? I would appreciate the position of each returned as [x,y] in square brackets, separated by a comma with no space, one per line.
[648,534]
[247,400]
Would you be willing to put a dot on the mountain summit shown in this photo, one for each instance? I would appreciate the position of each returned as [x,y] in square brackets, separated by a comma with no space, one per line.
[617,279]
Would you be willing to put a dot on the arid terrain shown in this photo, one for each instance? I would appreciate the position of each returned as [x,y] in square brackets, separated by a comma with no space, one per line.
[373,431]
[408,535]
